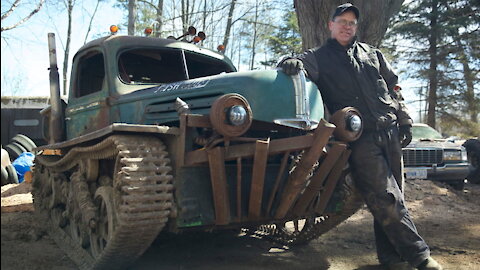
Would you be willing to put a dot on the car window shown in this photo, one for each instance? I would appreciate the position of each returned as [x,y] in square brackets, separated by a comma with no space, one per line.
[425,132]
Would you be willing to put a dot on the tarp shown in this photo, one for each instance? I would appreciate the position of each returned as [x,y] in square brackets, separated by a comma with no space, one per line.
[23,164]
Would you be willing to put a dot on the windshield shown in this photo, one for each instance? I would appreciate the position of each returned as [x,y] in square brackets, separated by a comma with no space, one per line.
[425,132]
[154,66]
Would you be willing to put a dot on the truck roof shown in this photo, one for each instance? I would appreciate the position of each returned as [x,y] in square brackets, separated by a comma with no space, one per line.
[119,42]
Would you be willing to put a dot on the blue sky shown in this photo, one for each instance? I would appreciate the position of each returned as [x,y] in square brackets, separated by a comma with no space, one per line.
[24,50]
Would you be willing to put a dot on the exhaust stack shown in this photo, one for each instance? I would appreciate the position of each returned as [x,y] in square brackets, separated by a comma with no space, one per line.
[56,119]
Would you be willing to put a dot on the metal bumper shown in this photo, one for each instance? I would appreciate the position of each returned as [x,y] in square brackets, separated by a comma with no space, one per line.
[299,195]
[448,172]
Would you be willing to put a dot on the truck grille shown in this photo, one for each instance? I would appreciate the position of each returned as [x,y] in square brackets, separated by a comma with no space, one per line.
[422,157]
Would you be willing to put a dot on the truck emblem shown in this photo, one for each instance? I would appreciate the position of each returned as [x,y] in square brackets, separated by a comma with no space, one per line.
[182,85]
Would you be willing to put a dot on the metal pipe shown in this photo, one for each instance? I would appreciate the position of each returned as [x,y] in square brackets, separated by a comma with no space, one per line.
[56,120]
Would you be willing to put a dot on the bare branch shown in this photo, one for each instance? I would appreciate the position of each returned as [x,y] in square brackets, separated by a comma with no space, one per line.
[40,3]
[12,8]
[91,21]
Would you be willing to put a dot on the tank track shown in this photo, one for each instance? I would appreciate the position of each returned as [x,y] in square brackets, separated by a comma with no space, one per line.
[142,198]
[314,227]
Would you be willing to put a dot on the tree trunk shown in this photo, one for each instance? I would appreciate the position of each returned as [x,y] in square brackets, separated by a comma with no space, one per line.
[469,77]
[254,39]
[228,28]
[67,46]
[132,16]
[314,15]
[432,72]
[158,19]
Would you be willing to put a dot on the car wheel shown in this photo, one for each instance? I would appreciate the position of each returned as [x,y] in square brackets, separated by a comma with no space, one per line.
[473,152]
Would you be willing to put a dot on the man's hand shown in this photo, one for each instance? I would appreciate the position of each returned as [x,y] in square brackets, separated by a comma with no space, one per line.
[291,66]
[405,134]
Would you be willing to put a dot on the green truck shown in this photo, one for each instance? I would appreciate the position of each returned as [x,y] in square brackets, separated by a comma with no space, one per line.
[161,135]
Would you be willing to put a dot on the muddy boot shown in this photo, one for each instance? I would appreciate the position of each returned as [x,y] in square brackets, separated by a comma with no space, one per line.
[430,264]
[399,266]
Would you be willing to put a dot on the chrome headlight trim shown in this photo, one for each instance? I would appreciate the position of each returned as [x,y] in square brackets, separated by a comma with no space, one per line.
[354,123]
[237,115]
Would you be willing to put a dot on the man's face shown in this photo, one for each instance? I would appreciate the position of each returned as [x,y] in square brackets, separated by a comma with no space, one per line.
[343,27]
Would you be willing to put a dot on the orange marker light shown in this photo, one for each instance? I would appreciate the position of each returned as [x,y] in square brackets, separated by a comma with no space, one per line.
[148,31]
[221,48]
[397,88]
[113,29]
[196,39]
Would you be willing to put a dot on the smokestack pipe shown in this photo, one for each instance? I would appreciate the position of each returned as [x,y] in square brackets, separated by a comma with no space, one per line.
[56,120]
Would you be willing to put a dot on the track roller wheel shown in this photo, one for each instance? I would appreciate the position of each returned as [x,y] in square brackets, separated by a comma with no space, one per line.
[101,234]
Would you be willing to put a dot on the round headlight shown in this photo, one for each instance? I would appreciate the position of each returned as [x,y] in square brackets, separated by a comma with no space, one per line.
[231,115]
[237,115]
[348,122]
[354,123]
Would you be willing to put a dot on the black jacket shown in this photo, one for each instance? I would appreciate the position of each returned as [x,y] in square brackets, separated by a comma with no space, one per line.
[358,76]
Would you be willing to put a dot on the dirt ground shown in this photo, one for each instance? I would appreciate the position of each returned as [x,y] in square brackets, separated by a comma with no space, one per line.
[449,220]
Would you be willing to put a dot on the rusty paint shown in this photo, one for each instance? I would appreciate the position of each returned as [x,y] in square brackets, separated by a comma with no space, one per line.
[258,178]
[218,178]
[296,181]
[198,120]
[331,182]
[248,149]
[51,152]
[239,189]
[317,180]
[281,171]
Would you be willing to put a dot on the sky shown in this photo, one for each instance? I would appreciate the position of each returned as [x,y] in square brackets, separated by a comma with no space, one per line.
[24,50]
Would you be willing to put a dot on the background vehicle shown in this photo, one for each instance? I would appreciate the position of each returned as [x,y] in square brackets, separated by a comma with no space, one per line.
[21,124]
[160,135]
[429,156]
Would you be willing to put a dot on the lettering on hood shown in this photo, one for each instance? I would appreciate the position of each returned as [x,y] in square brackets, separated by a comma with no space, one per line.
[182,85]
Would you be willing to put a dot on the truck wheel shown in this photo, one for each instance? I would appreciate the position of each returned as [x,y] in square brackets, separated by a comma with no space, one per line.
[12,174]
[24,141]
[473,152]
[4,176]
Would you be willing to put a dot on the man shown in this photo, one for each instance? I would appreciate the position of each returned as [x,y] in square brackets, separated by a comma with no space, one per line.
[350,73]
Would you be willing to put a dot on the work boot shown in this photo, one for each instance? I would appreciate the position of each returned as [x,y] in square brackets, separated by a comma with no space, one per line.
[399,266]
[430,264]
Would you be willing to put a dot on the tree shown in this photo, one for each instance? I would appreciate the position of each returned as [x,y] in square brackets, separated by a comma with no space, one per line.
[69,4]
[132,14]
[12,8]
[286,40]
[228,27]
[313,17]
[439,38]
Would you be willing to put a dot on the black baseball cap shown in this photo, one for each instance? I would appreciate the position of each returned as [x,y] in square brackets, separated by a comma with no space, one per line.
[344,8]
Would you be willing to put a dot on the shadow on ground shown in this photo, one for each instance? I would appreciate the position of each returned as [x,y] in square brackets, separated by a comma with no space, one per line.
[226,251]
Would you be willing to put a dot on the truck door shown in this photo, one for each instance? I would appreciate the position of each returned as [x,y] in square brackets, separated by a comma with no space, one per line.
[87,108]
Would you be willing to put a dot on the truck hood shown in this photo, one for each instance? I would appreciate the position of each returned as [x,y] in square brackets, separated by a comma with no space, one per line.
[270,93]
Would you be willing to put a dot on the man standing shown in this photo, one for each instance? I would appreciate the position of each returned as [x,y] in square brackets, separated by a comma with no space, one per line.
[350,73]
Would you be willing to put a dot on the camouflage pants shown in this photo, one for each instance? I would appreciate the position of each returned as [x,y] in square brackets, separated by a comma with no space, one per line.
[376,164]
